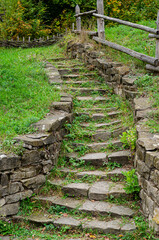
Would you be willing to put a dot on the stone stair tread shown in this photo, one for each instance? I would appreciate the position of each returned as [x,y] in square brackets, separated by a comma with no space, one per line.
[70,203]
[99,109]
[102,174]
[37,218]
[67,221]
[87,90]
[97,159]
[104,208]
[97,146]
[114,226]
[94,207]
[99,190]
[76,189]
[78,75]
[101,115]
[88,98]
[103,189]
[101,124]
[56,182]
[121,157]
[80,82]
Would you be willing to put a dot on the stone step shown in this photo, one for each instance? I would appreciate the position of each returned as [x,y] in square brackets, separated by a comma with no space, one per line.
[78,75]
[100,145]
[95,99]
[102,175]
[100,190]
[95,159]
[100,158]
[60,65]
[111,227]
[58,59]
[108,227]
[87,90]
[96,109]
[121,157]
[99,116]
[100,125]
[80,82]
[93,207]
[103,135]
[69,70]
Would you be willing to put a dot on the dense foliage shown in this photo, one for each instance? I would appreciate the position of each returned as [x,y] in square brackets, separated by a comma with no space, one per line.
[38,18]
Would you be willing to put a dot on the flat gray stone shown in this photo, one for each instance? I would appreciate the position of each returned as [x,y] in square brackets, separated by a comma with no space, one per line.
[67,221]
[142,103]
[121,157]
[104,208]
[70,203]
[100,145]
[128,227]
[76,189]
[77,75]
[103,175]
[102,226]
[101,99]
[56,182]
[37,218]
[65,106]
[103,189]
[9,209]
[128,80]
[96,159]
[88,90]
[101,135]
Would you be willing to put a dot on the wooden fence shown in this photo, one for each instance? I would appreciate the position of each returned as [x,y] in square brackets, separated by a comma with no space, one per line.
[28,43]
[99,36]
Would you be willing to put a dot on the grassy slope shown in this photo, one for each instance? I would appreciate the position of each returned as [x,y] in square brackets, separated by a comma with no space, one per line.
[25,95]
[132,38]
[139,41]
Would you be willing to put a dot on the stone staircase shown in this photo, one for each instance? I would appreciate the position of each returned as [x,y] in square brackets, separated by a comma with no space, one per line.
[90,175]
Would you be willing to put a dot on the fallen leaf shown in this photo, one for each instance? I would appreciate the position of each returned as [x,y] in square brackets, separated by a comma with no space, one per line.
[92,236]
[65,215]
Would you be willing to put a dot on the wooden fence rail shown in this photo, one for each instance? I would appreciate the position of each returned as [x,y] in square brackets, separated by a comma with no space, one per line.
[153,62]
[27,43]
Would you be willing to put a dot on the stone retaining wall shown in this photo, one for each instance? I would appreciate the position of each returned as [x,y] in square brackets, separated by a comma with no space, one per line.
[146,161]
[21,176]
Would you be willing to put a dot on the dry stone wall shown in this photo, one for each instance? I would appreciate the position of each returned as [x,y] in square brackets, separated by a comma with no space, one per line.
[146,160]
[21,176]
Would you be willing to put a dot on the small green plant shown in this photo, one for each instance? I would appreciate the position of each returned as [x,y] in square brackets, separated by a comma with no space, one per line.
[113,165]
[57,210]
[6,227]
[131,182]
[27,206]
[129,138]
[76,163]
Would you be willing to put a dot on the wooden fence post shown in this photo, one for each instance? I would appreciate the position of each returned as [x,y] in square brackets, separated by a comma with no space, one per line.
[100,21]
[73,27]
[78,19]
[157,40]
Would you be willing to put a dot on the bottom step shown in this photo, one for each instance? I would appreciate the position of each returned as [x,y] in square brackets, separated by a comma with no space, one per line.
[113,226]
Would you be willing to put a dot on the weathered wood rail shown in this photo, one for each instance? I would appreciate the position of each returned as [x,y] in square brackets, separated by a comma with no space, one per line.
[153,62]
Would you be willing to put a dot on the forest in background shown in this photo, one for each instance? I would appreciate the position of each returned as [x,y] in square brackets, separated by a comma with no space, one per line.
[40,18]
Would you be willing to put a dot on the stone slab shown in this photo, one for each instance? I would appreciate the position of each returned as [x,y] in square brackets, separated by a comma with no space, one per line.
[101,145]
[102,190]
[121,157]
[76,189]
[70,203]
[97,159]
[67,221]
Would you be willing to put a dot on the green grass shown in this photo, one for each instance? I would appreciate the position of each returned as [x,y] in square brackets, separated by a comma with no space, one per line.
[25,94]
[137,40]
[132,38]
